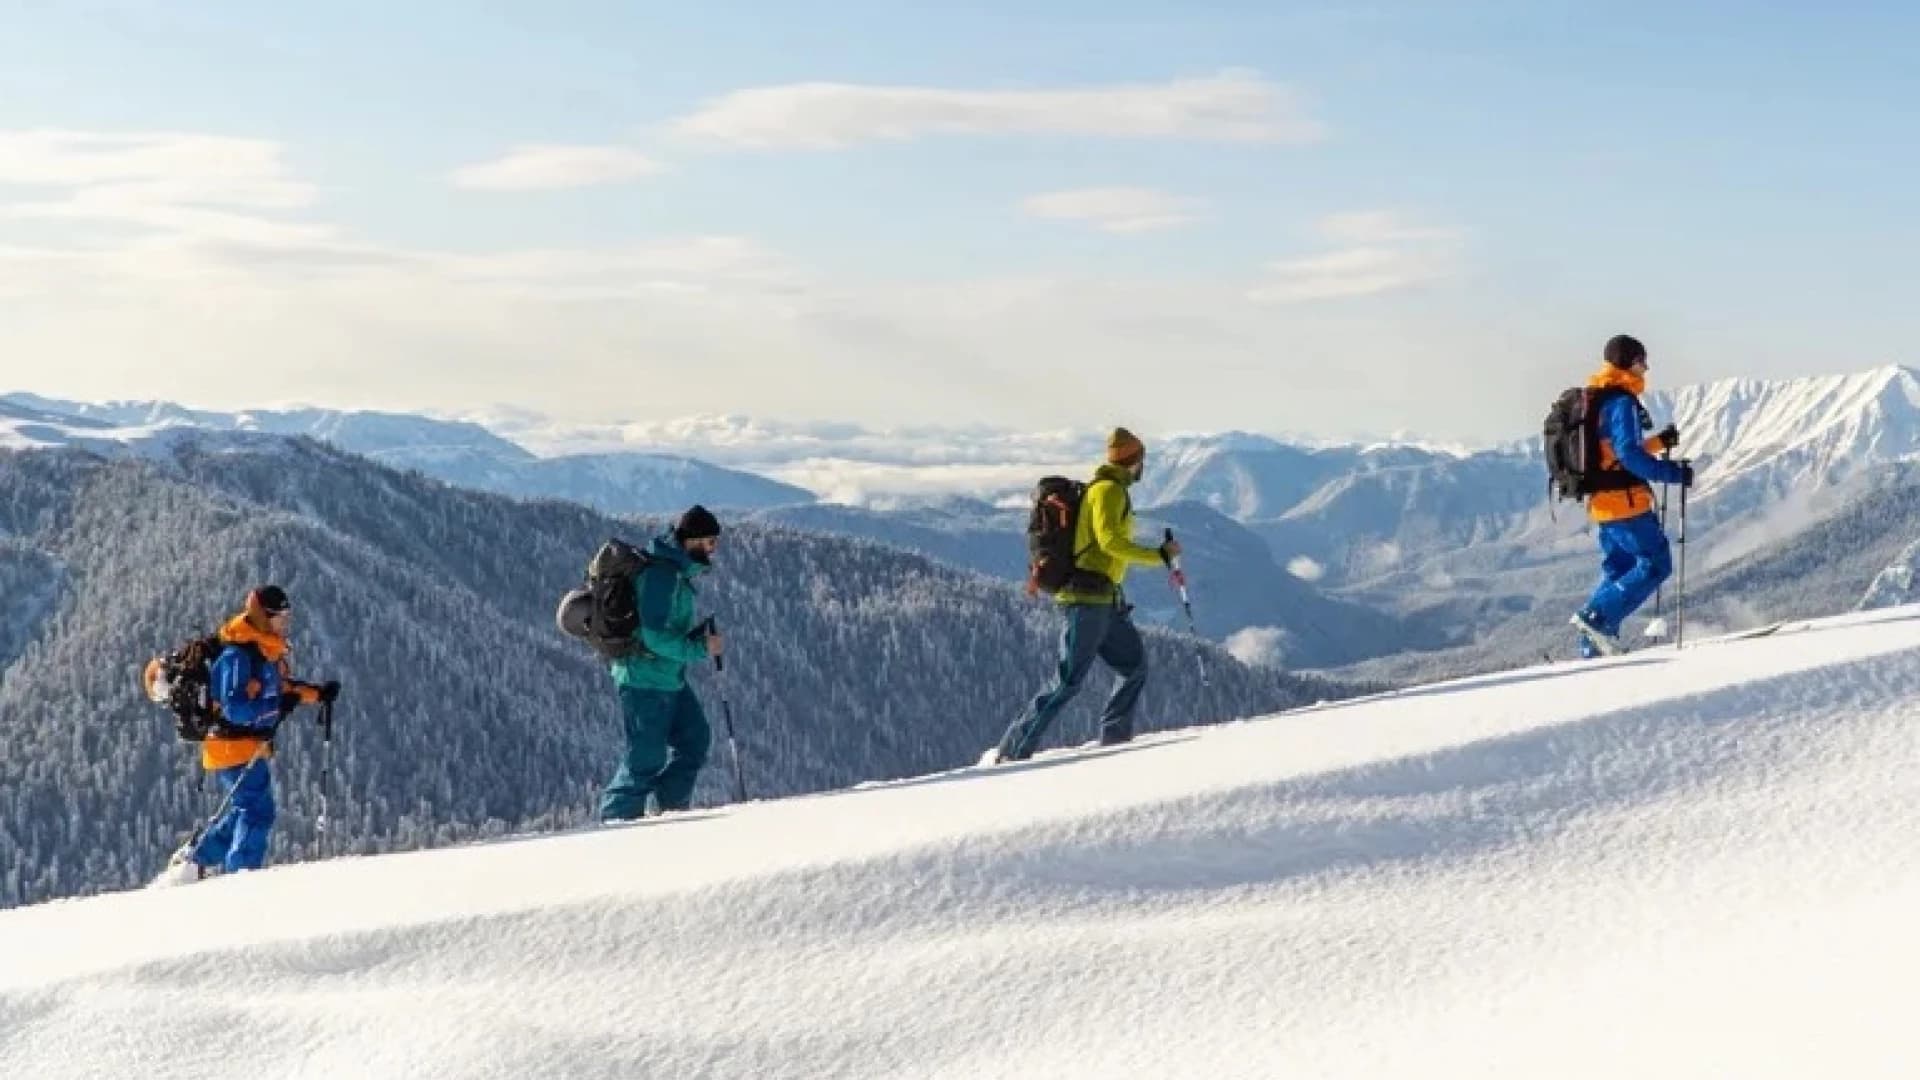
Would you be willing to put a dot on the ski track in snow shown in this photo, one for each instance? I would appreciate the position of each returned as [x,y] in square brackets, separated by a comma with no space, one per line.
[1686,865]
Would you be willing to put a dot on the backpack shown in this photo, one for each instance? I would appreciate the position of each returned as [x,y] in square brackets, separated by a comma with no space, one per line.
[1571,440]
[1051,526]
[605,611]
[182,680]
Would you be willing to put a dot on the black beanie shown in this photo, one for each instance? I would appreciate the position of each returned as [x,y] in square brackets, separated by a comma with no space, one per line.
[698,523]
[272,599]
[1623,352]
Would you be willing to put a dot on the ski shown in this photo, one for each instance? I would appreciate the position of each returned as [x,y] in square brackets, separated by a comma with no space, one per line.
[1744,635]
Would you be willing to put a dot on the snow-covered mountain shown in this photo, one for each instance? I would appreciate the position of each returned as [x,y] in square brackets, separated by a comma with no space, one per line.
[455,451]
[1797,432]
[1774,456]
[465,711]
[1423,545]
[27,427]
[1663,867]
[1237,585]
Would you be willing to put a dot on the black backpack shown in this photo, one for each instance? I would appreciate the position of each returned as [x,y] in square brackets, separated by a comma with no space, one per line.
[1571,439]
[182,681]
[605,612]
[1051,526]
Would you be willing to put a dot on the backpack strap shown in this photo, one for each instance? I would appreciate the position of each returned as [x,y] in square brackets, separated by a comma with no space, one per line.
[1616,478]
[1083,577]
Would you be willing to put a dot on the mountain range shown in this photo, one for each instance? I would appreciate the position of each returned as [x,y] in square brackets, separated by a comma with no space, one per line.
[455,451]
[465,712]
[1337,554]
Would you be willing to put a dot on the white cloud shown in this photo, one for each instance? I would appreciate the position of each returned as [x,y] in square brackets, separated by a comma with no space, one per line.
[1233,106]
[170,186]
[1382,254]
[688,264]
[1380,227]
[1259,646]
[1114,209]
[123,271]
[157,167]
[546,167]
[1305,569]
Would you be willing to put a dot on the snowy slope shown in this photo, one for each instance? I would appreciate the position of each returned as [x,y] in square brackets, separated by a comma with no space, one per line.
[1660,866]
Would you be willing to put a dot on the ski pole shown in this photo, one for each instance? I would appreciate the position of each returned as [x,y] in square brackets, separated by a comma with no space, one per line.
[1665,495]
[326,772]
[1680,608]
[1178,578]
[726,714]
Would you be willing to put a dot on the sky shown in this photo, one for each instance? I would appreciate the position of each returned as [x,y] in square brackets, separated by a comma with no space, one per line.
[1314,219]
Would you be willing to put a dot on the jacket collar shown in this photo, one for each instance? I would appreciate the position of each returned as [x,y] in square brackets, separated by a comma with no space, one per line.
[1613,378]
[1119,474]
[664,548]
[238,631]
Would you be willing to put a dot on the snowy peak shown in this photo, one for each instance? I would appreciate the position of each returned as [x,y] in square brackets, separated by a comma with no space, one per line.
[1253,477]
[458,452]
[27,427]
[360,431]
[1740,421]
[1795,434]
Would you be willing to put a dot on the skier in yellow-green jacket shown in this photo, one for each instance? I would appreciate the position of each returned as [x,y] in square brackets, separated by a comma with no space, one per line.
[1098,622]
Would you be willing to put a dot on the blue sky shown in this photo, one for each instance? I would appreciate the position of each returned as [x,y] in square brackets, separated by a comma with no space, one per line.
[1323,219]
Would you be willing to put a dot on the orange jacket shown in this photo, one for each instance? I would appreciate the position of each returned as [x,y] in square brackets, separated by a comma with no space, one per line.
[224,752]
[1605,506]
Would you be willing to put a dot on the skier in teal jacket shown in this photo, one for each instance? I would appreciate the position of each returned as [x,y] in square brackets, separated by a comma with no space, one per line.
[667,731]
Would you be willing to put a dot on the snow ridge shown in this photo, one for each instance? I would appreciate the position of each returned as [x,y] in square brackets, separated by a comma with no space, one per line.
[1667,865]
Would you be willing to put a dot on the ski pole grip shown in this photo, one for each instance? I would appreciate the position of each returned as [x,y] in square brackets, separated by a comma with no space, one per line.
[1164,557]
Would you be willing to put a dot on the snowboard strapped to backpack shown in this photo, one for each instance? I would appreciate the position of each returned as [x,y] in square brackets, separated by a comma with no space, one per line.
[605,611]
[182,680]
[1051,527]
[1571,439]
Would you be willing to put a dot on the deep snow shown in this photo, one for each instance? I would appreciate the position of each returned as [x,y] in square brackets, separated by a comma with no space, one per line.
[1689,865]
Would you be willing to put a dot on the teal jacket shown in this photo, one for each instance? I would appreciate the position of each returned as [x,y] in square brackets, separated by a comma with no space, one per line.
[1103,537]
[665,594]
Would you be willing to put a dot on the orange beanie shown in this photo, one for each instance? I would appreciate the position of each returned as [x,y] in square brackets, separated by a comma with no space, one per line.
[1123,448]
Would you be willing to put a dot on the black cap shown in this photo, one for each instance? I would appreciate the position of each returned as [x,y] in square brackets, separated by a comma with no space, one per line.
[266,602]
[1623,352]
[698,523]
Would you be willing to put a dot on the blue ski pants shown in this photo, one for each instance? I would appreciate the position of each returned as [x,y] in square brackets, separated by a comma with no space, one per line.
[1635,560]
[1103,631]
[667,742]
[237,839]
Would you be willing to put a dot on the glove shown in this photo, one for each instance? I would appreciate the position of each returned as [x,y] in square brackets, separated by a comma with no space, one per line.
[1686,474]
[1668,437]
[329,690]
[702,630]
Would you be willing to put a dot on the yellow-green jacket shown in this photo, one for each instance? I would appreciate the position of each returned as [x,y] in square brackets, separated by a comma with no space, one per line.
[1103,538]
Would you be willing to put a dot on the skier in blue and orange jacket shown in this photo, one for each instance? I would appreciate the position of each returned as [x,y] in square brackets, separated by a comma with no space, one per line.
[1635,556]
[251,684]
